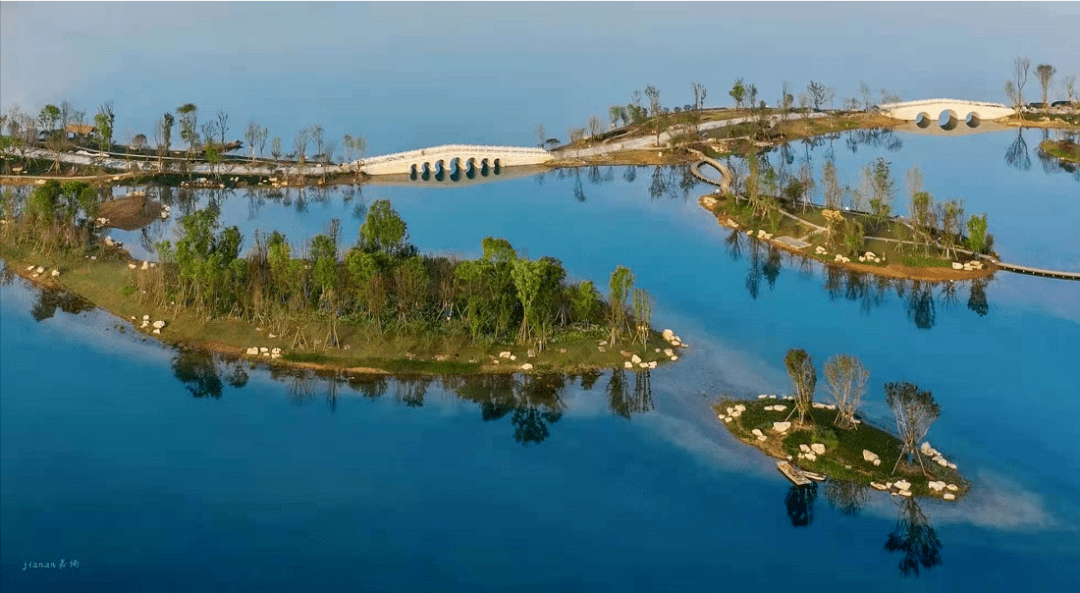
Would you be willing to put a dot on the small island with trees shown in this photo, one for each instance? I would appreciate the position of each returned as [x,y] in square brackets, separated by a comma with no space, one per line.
[815,441]
[375,306]
[856,227]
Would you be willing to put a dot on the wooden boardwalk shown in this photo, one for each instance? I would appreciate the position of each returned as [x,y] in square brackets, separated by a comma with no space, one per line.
[1059,274]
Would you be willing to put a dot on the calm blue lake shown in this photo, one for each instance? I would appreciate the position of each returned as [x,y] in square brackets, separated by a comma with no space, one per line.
[168,471]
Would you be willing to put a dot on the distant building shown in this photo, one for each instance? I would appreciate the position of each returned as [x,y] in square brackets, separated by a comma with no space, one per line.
[78,131]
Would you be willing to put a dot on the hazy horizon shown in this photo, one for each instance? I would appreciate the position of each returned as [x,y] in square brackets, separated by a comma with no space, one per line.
[384,70]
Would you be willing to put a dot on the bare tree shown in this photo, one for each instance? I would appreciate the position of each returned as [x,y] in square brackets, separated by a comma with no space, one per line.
[817,94]
[1015,88]
[888,96]
[914,411]
[847,381]
[655,109]
[787,100]
[541,134]
[1069,85]
[222,124]
[275,147]
[1046,73]
[866,96]
[596,127]
[251,136]
[300,142]
[317,138]
[800,368]
[830,182]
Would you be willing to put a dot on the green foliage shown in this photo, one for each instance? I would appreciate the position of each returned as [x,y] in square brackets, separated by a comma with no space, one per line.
[48,117]
[800,368]
[103,125]
[738,92]
[977,233]
[621,283]
[584,303]
[384,230]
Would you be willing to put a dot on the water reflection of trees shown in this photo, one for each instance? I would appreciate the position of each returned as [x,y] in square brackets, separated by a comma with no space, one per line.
[1016,155]
[920,297]
[912,535]
[873,138]
[49,300]
[914,538]
[800,504]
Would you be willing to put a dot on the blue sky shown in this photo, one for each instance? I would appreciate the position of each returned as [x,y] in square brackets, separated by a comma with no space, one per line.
[414,73]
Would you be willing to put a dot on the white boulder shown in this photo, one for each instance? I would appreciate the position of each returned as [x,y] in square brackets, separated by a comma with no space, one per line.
[817,448]
[159,324]
[504,354]
[253,351]
[757,432]
[781,427]
[869,455]
[635,359]
[949,496]
[526,367]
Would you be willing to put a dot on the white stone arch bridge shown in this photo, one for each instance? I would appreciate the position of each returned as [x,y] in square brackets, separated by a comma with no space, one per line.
[459,159]
[954,111]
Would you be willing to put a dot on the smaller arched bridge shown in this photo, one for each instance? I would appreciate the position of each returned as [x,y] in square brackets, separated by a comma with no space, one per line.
[456,159]
[948,113]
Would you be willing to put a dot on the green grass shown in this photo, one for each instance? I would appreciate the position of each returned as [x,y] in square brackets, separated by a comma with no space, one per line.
[922,261]
[107,282]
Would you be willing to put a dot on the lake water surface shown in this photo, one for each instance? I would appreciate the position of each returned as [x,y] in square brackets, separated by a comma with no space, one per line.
[160,470]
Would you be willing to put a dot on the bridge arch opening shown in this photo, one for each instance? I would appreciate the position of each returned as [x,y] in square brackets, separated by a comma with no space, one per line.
[497,166]
[425,171]
[923,119]
[484,168]
[948,120]
[455,169]
[440,169]
[973,120]
[470,168]
[412,172]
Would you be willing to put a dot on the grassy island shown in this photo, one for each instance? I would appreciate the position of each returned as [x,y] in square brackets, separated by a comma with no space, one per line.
[378,307]
[1064,150]
[866,236]
[835,441]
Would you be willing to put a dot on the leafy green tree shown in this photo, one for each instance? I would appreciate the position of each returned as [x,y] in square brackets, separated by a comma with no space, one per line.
[584,303]
[410,284]
[738,92]
[884,191]
[642,315]
[103,125]
[977,233]
[621,283]
[48,117]
[537,284]
[384,230]
[189,125]
[800,368]
[914,411]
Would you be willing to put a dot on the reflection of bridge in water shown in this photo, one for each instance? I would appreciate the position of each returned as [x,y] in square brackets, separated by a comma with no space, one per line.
[454,179]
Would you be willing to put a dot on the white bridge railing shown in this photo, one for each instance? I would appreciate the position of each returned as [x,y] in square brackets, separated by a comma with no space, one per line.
[459,150]
[886,106]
